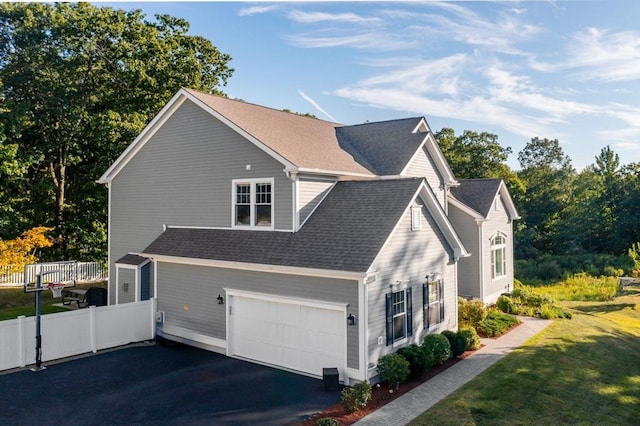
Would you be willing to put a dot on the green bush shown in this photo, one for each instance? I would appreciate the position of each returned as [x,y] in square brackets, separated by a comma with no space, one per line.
[327,421]
[419,361]
[393,369]
[471,311]
[496,324]
[471,338]
[439,346]
[506,304]
[355,397]
[552,312]
[457,342]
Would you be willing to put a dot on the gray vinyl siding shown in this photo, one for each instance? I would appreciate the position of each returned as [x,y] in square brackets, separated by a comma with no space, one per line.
[187,294]
[423,166]
[468,267]
[310,194]
[409,256]
[126,285]
[183,176]
[497,221]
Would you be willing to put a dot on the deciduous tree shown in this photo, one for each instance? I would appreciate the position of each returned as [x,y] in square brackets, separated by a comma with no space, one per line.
[77,84]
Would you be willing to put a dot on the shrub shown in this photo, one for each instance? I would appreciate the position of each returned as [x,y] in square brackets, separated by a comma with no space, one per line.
[451,337]
[419,361]
[393,369]
[355,397]
[457,342]
[496,324]
[471,338]
[471,311]
[327,421]
[506,304]
[439,346]
[610,271]
[551,312]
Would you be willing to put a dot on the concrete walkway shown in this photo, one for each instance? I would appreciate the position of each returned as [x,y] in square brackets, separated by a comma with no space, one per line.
[410,405]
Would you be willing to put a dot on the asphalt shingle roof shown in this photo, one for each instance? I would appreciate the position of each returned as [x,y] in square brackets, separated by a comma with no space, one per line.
[306,142]
[131,259]
[477,193]
[345,233]
[386,147]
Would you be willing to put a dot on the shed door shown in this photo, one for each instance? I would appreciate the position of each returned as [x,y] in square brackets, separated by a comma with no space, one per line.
[294,336]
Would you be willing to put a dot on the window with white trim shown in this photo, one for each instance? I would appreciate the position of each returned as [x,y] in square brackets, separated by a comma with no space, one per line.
[498,256]
[399,315]
[433,302]
[253,203]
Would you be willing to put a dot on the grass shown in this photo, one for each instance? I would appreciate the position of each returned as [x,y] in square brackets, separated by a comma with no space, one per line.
[581,287]
[15,302]
[580,371]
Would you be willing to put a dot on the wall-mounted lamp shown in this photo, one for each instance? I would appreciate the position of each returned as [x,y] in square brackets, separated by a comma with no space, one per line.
[220,300]
[351,319]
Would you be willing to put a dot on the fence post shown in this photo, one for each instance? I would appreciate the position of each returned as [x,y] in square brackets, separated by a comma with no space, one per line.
[22,354]
[93,329]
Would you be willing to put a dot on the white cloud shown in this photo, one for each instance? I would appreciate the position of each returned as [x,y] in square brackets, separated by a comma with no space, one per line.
[316,105]
[256,10]
[596,54]
[314,17]
[367,40]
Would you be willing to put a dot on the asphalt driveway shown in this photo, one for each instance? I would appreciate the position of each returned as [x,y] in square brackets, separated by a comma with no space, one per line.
[159,385]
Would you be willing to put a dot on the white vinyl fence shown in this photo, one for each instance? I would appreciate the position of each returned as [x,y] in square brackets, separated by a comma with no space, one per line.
[85,272]
[76,332]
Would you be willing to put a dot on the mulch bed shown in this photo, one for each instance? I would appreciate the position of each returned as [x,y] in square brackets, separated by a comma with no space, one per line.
[379,397]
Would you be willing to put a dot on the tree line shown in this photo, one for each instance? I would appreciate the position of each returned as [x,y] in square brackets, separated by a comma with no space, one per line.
[563,211]
[79,82]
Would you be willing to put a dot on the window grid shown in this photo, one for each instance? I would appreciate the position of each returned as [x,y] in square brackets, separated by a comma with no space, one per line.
[399,316]
[498,256]
[253,203]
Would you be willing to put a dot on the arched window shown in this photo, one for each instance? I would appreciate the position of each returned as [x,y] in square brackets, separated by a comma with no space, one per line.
[498,256]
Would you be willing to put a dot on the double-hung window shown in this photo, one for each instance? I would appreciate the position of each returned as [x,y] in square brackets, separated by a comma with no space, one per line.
[433,302]
[399,316]
[253,203]
[498,256]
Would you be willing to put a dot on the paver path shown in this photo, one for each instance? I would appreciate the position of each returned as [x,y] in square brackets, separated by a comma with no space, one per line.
[410,405]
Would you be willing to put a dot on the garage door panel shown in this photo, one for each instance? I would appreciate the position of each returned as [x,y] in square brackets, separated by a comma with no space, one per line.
[287,334]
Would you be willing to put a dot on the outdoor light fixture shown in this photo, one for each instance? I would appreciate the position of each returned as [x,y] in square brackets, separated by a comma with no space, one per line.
[220,300]
[351,319]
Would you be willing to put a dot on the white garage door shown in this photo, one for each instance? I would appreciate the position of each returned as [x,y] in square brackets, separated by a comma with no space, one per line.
[293,335]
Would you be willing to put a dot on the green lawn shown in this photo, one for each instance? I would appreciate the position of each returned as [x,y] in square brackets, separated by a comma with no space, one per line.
[580,371]
[15,302]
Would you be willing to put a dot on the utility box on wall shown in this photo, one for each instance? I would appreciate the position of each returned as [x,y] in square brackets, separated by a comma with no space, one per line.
[330,379]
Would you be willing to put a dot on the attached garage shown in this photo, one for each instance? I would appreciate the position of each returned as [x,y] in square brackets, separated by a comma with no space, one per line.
[295,334]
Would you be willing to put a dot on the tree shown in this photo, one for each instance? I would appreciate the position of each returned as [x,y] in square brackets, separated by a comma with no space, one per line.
[548,177]
[22,250]
[475,155]
[77,84]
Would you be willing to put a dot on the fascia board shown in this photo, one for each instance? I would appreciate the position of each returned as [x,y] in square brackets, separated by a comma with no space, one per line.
[165,113]
[436,155]
[335,173]
[442,220]
[438,158]
[258,267]
[504,192]
[466,209]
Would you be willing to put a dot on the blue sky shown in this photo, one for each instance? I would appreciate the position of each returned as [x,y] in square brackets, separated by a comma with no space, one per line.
[566,70]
